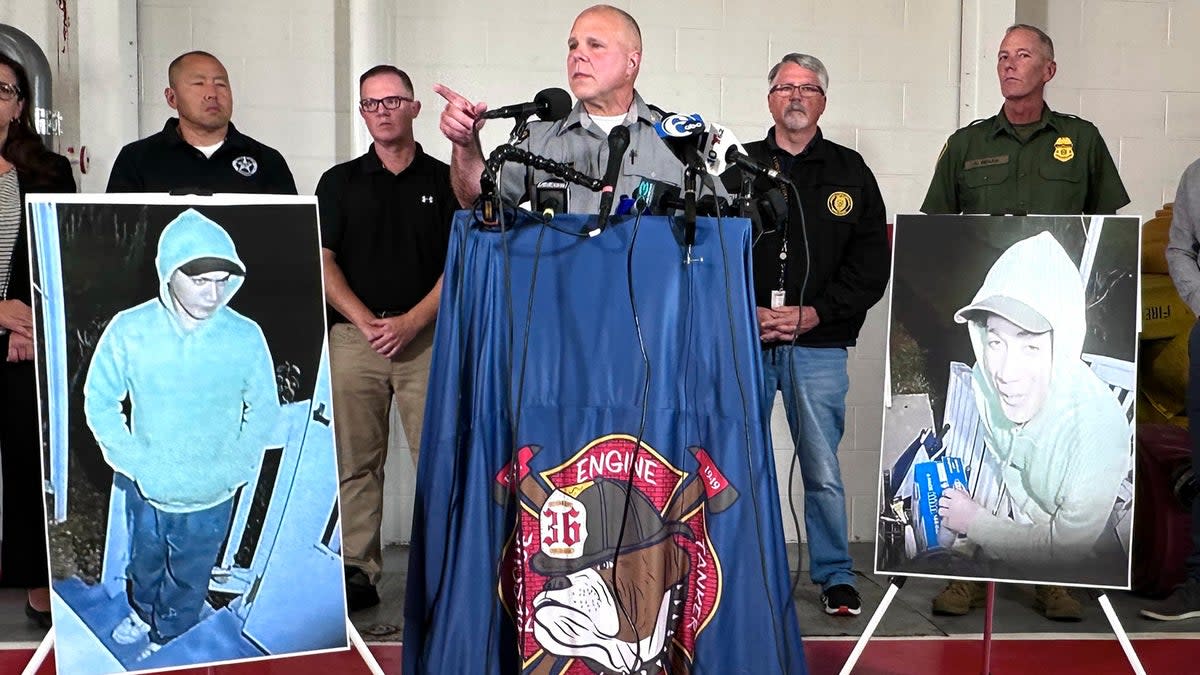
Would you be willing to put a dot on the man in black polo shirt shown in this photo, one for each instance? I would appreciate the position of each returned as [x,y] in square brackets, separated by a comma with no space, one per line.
[200,151]
[812,303]
[385,226]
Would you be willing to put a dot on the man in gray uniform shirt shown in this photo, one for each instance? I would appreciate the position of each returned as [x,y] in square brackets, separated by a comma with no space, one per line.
[604,54]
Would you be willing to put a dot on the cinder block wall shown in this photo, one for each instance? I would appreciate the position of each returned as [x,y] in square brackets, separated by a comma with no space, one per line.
[893,96]
[282,62]
[1129,67]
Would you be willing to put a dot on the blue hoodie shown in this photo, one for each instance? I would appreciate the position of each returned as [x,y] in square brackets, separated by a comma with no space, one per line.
[202,402]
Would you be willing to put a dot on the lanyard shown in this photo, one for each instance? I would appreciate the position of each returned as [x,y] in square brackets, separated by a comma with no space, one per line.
[783,240]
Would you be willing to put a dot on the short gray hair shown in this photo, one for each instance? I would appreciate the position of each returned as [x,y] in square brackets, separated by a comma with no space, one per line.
[804,61]
[1041,36]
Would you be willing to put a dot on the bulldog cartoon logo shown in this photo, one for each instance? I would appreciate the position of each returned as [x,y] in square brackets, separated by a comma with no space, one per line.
[609,575]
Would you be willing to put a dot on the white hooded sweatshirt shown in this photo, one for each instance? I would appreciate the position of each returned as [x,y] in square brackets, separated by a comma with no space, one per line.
[1061,468]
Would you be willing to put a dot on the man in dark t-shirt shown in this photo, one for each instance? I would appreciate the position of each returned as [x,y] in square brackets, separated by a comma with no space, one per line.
[385,225]
[200,151]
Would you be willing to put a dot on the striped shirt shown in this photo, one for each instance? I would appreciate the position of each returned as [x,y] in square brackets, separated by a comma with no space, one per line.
[10,223]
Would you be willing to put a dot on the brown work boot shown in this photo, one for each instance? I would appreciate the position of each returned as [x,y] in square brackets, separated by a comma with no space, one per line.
[960,597]
[1057,603]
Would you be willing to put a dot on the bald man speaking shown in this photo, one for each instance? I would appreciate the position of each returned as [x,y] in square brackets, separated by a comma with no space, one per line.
[604,55]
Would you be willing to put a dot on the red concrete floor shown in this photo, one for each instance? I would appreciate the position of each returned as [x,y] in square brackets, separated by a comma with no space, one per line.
[908,656]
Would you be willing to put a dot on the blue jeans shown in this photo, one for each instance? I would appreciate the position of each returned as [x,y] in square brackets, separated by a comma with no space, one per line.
[1193,411]
[171,557]
[814,382]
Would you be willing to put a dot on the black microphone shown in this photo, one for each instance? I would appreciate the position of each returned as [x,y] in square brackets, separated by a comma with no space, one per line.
[735,156]
[549,105]
[618,142]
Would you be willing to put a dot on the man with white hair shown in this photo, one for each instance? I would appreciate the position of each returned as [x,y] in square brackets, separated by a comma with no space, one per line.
[814,280]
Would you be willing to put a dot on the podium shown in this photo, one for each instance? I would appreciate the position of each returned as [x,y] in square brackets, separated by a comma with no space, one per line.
[596,491]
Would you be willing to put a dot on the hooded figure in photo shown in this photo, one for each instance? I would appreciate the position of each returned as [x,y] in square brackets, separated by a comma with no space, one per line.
[181,398]
[1054,431]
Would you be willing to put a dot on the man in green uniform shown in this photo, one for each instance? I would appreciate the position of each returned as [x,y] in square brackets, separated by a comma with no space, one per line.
[1027,159]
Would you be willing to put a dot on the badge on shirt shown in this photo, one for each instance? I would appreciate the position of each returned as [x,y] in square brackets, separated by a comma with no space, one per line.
[245,165]
[839,203]
[1064,151]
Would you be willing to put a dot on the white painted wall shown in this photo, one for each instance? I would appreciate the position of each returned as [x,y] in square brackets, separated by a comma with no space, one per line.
[43,22]
[1129,67]
[903,74]
[894,68]
[282,64]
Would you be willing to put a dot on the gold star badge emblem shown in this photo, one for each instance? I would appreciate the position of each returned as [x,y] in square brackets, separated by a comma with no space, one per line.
[839,203]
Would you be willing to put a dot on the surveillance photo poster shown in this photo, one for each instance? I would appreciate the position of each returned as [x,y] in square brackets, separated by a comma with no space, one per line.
[1007,449]
[188,461]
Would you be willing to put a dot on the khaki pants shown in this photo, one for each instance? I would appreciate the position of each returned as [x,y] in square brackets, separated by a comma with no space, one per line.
[364,384]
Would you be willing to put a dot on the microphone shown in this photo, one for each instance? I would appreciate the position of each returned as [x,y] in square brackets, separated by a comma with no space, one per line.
[684,135]
[716,144]
[679,126]
[549,105]
[743,161]
[618,142]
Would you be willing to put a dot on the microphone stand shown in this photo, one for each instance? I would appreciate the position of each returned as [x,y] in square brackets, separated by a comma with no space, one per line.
[519,126]
[691,177]
[745,198]
[491,201]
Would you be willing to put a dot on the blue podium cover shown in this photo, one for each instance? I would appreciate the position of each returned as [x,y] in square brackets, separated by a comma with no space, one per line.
[596,492]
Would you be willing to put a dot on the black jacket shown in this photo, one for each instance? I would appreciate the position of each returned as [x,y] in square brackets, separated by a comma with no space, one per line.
[60,180]
[848,258]
[164,162]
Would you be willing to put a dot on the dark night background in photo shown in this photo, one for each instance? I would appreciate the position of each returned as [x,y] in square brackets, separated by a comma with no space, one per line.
[929,284]
[108,253]
[939,263]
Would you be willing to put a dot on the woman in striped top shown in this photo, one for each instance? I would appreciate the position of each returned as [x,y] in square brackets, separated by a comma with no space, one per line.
[25,166]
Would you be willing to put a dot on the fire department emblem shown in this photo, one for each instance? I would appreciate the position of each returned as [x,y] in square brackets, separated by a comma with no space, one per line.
[609,569]
[1064,150]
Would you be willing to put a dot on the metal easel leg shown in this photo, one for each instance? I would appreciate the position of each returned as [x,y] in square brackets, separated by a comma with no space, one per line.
[1126,645]
[361,648]
[987,628]
[894,585]
[39,656]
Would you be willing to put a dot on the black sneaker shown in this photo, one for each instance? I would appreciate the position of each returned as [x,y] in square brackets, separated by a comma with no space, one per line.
[1182,603]
[841,600]
[360,592]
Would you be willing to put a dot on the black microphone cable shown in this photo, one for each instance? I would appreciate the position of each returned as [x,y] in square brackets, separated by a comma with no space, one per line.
[737,370]
[794,192]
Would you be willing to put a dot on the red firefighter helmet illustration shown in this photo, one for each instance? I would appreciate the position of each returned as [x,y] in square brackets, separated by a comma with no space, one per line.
[611,564]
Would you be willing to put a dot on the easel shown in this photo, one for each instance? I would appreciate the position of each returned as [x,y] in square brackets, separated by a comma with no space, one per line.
[43,649]
[897,582]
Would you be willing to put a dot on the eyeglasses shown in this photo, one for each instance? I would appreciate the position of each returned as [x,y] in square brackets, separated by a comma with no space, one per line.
[389,102]
[804,90]
[9,91]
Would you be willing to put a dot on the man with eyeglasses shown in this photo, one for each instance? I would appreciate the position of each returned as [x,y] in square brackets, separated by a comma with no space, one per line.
[181,381]
[1026,159]
[385,226]
[815,278]
[200,151]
